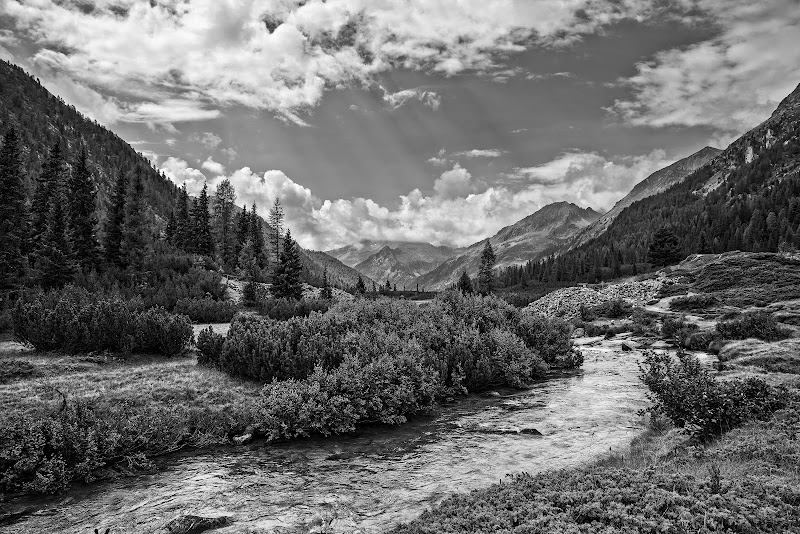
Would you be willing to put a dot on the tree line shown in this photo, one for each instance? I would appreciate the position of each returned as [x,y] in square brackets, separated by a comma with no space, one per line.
[55,235]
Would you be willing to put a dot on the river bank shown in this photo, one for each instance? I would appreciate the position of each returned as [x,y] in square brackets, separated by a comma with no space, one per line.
[378,477]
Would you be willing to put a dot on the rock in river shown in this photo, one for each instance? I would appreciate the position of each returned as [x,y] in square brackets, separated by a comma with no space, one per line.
[193,524]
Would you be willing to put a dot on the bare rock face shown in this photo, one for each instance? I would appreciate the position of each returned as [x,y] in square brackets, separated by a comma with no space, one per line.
[193,524]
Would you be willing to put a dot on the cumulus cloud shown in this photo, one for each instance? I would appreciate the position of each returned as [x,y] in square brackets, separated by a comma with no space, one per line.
[458,211]
[174,60]
[730,82]
[213,167]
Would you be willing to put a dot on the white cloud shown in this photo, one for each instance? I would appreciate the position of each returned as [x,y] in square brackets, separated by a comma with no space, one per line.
[730,82]
[213,167]
[460,210]
[172,61]
[481,153]
[432,99]
[210,140]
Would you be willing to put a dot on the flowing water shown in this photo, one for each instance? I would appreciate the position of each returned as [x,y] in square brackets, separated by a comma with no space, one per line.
[379,476]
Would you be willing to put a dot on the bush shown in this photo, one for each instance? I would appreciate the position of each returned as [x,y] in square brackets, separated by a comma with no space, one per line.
[11,370]
[207,310]
[73,320]
[693,302]
[282,309]
[470,341]
[759,324]
[209,347]
[693,400]
[613,309]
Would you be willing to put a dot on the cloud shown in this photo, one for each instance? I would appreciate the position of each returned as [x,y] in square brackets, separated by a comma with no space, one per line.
[519,130]
[453,183]
[459,210]
[179,61]
[481,153]
[730,82]
[213,167]
[400,98]
[210,140]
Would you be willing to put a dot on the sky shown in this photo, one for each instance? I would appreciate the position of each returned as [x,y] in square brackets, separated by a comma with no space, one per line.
[412,120]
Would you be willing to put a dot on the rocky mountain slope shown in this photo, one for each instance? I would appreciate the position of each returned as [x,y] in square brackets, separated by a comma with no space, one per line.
[657,182]
[525,240]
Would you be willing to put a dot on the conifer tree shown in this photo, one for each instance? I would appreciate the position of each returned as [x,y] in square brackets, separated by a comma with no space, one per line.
[242,231]
[286,278]
[13,214]
[464,283]
[224,230]
[201,219]
[170,230]
[326,292]
[360,287]
[82,217]
[55,261]
[664,248]
[182,222]
[115,220]
[257,238]
[52,172]
[275,221]
[486,269]
[134,242]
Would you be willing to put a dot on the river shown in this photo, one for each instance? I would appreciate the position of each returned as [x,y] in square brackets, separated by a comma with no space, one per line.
[377,477]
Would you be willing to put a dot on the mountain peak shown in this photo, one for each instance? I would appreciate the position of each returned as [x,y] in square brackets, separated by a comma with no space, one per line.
[790,103]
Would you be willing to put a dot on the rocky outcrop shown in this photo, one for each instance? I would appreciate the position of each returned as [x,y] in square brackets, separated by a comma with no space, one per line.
[567,302]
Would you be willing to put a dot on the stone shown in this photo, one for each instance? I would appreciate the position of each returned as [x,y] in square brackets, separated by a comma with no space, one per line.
[193,524]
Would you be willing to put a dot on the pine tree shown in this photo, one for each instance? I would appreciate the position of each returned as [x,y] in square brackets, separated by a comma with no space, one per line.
[224,204]
[134,242]
[115,220]
[82,217]
[326,292]
[242,232]
[257,239]
[286,278]
[486,269]
[183,224]
[464,283]
[664,248]
[275,221]
[13,214]
[201,221]
[361,288]
[55,261]
[52,171]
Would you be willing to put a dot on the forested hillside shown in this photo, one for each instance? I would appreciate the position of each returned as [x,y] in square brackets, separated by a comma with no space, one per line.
[43,119]
[747,198]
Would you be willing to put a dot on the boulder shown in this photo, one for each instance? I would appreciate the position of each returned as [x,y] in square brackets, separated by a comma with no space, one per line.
[193,524]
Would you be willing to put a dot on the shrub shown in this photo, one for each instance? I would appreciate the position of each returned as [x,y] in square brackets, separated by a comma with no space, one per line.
[613,309]
[209,347]
[470,341]
[758,324]
[11,370]
[693,302]
[207,310]
[74,321]
[692,399]
[282,309]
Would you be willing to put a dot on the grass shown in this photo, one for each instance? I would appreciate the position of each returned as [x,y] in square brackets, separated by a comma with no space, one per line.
[775,357]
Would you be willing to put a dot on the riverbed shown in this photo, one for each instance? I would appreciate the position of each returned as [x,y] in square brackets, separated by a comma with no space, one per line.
[377,477]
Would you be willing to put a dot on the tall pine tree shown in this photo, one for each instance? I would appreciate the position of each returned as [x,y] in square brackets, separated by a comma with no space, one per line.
[201,221]
[134,239]
[242,232]
[486,269]
[286,278]
[326,292]
[56,262]
[52,172]
[257,239]
[82,217]
[115,220]
[13,214]
[182,238]
[275,221]
[224,223]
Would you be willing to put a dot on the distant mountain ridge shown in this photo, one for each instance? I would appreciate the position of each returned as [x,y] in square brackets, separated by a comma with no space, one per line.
[527,239]
[659,181]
